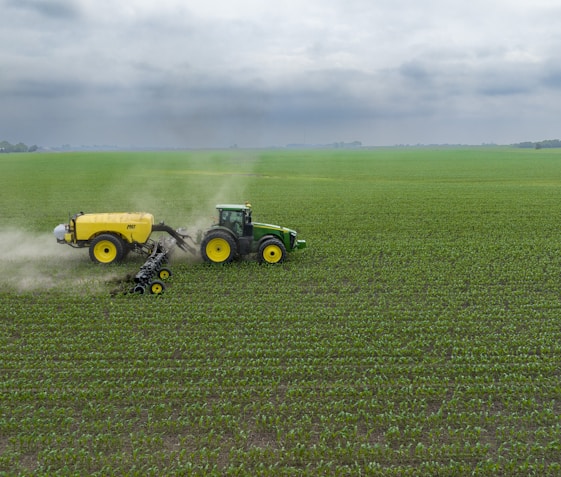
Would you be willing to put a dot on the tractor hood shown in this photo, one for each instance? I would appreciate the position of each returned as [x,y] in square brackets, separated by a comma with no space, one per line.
[273,227]
[295,244]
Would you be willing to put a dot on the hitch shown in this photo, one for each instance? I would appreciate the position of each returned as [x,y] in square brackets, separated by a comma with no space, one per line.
[180,239]
[153,267]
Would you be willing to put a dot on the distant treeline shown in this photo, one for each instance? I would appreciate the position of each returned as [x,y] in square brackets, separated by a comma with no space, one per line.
[549,143]
[333,145]
[5,147]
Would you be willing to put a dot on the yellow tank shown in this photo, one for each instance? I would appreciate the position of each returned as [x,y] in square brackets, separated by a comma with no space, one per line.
[131,226]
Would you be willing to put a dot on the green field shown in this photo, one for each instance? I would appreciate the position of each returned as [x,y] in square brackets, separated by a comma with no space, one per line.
[418,334]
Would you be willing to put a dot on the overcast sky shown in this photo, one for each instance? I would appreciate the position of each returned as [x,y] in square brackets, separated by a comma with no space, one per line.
[212,73]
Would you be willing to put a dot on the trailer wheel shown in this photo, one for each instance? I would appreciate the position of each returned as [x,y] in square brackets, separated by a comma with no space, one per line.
[164,273]
[157,287]
[272,251]
[218,247]
[107,248]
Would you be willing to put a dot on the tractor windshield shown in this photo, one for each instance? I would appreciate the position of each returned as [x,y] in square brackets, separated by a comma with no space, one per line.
[232,219]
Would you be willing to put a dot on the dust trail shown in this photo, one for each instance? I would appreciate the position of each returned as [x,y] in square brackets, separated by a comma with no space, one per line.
[34,262]
[199,183]
[31,261]
[222,187]
[22,245]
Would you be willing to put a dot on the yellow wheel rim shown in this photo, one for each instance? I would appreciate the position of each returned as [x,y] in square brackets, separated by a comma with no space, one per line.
[156,288]
[272,254]
[218,250]
[105,251]
[164,274]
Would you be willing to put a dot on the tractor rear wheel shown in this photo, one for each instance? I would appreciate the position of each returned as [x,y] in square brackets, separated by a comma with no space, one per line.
[218,247]
[107,248]
[272,251]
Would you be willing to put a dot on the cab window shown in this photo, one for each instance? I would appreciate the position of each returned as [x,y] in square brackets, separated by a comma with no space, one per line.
[233,220]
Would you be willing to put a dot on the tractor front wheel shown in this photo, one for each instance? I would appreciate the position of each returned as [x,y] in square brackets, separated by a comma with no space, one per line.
[218,247]
[272,251]
[107,248]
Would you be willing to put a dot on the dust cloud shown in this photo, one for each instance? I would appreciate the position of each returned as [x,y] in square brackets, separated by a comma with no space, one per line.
[35,262]
[185,197]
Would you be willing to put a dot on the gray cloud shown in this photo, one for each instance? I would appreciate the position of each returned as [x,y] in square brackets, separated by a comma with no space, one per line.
[256,73]
[51,9]
[552,76]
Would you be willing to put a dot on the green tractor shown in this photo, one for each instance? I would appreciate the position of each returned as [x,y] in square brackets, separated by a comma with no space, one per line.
[235,235]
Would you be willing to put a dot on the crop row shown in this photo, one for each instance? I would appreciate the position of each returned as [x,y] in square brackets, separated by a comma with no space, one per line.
[418,334]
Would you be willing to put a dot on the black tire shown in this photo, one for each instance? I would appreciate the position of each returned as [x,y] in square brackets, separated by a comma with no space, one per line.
[218,247]
[107,248]
[272,251]
[157,287]
[164,273]
[139,289]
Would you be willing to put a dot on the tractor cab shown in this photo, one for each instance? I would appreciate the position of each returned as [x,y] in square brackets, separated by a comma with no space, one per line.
[236,218]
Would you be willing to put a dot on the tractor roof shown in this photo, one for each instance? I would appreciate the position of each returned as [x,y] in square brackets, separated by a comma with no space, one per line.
[234,206]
